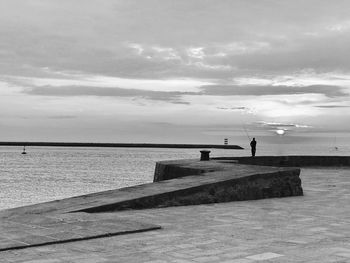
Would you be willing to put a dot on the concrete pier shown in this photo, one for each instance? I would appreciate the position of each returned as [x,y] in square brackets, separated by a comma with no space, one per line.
[292,160]
[309,228]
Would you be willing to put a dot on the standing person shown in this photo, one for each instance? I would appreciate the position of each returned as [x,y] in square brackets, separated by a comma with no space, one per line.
[253,146]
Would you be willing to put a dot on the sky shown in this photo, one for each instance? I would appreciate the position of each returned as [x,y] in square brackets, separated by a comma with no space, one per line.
[184,71]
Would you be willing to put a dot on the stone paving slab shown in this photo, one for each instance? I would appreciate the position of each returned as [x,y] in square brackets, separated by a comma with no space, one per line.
[39,230]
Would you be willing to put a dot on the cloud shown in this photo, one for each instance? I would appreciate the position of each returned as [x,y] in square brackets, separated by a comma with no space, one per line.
[204,66]
[244,47]
[184,58]
[233,108]
[301,78]
[281,125]
[137,47]
[256,90]
[62,117]
[196,52]
[104,81]
[340,26]
[72,91]
[129,38]
[331,106]
[283,60]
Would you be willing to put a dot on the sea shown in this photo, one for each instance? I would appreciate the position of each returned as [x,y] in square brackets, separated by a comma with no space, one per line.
[51,173]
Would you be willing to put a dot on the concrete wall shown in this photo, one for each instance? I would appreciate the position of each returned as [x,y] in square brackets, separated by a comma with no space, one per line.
[258,186]
[293,160]
[166,171]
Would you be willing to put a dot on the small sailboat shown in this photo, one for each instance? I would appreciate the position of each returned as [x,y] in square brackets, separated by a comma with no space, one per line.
[335,144]
[24,150]
[335,148]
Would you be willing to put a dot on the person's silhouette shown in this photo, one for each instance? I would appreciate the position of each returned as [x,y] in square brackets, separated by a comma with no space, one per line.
[253,146]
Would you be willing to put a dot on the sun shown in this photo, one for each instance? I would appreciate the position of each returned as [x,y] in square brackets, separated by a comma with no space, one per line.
[280,132]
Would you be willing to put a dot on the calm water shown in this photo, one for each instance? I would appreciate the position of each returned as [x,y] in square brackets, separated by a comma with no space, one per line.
[49,173]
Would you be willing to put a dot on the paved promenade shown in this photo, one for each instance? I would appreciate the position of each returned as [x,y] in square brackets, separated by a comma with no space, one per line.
[309,228]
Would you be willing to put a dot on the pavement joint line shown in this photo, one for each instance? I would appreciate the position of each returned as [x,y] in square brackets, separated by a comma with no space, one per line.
[79,239]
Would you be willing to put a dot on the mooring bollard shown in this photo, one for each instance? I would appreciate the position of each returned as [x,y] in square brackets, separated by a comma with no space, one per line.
[205,155]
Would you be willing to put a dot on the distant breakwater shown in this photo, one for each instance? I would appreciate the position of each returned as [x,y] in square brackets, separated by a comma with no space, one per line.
[131,145]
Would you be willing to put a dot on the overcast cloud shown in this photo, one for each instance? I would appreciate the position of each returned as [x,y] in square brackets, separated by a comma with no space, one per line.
[66,64]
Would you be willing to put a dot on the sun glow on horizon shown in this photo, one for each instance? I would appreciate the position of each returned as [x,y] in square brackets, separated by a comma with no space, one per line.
[280,132]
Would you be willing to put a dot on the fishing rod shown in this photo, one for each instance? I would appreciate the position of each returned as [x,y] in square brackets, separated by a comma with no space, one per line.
[244,128]
[246,132]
